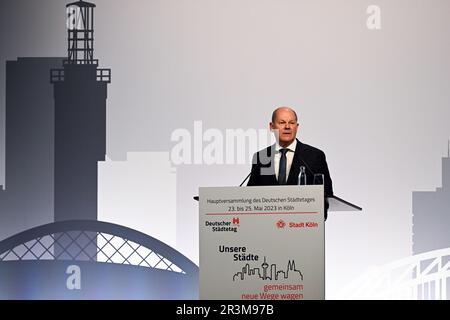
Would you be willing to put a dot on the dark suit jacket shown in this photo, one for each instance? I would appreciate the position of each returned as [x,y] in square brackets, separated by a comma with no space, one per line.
[313,159]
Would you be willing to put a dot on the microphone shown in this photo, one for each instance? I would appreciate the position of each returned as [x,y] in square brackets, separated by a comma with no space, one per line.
[197,198]
[248,176]
[306,165]
[254,167]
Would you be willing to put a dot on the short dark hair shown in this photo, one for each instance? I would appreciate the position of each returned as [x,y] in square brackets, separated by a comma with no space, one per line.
[274,113]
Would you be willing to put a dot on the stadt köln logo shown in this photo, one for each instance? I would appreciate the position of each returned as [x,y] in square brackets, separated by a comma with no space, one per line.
[281,224]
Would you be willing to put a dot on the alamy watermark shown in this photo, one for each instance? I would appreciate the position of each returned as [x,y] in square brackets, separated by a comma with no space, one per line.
[374,19]
[74,19]
[73,281]
[216,147]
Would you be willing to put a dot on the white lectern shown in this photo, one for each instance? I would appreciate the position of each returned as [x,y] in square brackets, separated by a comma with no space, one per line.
[262,243]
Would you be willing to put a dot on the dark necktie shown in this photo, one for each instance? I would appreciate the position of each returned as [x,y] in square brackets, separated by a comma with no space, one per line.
[282,169]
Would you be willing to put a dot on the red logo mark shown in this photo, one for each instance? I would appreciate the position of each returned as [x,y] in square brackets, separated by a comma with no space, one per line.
[281,224]
[236,221]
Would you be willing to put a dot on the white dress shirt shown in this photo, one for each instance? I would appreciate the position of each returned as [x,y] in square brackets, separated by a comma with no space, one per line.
[289,157]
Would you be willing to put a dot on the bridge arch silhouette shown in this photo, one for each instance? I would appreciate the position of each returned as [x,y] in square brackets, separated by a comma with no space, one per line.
[425,276]
[115,262]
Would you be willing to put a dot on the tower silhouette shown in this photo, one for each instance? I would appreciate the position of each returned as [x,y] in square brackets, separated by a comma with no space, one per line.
[264,266]
[80,92]
[55,137]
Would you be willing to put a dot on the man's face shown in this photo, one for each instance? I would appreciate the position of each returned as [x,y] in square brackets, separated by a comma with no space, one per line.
[285,127]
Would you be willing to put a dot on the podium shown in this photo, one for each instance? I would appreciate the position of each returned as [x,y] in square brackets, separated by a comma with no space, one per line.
[262,243]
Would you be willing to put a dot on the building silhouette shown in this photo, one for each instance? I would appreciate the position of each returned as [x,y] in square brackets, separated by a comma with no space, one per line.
[55,134]
[55,138]
[144,186]
[431,215]
[27,200]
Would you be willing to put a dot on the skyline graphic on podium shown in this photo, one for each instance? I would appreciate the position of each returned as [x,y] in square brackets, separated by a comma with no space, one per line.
[273,274]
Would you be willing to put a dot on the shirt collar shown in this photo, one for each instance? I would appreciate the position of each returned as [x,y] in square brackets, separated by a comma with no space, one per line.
[290,147]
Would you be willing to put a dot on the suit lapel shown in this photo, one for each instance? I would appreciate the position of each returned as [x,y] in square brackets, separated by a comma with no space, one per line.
[268,169]
[273,177]
[295,166]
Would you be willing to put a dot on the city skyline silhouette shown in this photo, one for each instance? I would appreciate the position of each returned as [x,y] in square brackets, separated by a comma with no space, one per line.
[273,274]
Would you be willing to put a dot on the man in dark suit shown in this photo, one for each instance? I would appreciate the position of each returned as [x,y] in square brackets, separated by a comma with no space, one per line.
[280,163]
